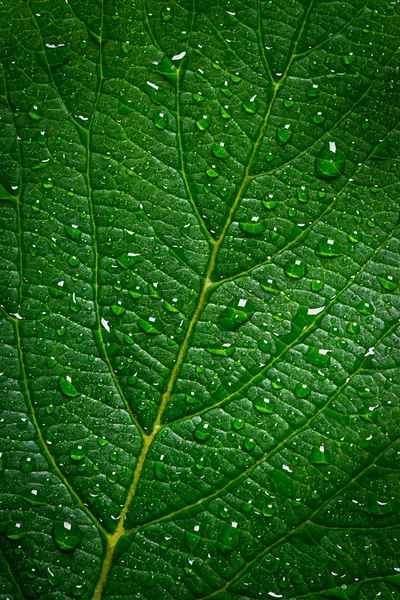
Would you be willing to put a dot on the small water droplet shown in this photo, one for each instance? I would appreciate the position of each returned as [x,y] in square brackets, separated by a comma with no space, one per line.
[27,464]
[268,510]
[67,388]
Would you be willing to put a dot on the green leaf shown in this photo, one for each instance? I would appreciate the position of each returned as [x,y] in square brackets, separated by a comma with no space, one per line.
[199,300]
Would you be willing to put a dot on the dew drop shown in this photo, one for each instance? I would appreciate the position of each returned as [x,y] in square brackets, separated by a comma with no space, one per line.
[238,311]
[253,227]
[328,248]
[283,135]
[365,308]
[203,123]
[330,161]
[67,388]
[67,536]
[219,151]
[77,452]
[388,283]
[263,405]
[268,510]
[152,327]
[250,105]
[202,432]
[302,390]
[27,464]
[161,120]
[295,268]
[16,531]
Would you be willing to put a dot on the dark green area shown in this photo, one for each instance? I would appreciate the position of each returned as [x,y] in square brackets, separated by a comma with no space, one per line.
[199,323]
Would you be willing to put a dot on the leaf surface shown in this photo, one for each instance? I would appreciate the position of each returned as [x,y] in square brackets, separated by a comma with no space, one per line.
[200,302]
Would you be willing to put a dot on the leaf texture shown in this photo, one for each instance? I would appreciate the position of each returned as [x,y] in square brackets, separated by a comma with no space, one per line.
[199,300]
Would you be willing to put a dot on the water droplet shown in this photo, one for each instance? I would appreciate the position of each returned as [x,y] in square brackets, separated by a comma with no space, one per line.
[318,357]
[166,13]
[161,120]
[264,405]
[212,173]
[67,536]
[295,268]
[128,260]
[159,470]
[349,59]
[318,456]
[302,194]
[313,91]
[219,151]
[388,283]
[302,390]
[270,286]
[27,463]
[15,531]
[268,510]
[254,227]
[277,383]
[152,327]
[355,237]
[328,248]
[283,135]
[202,432]
[118,310]
[353,327]
[238,424]
[249,444]
[67,388]
[250,105]
[77,451]
[330,161]
[365,308]
[74,304]
[317,285]
[238,311]
[203,123]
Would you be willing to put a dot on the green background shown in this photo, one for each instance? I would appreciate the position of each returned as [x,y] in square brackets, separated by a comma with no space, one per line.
[200,307]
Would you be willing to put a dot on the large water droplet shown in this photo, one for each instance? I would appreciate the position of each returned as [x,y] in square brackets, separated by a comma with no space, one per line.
[67,536]
[67,388]
[283,135]
[161,120]
[250,105]
[77,451]
[330,161]
[318,357]
[388,283]
[268,510]
[264,405]
[328,248]
[27,463]
[302,390]
[202,432]
[152,327]
[203,123]
[253,227]
[219,150]
[237,312]
[295,268]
